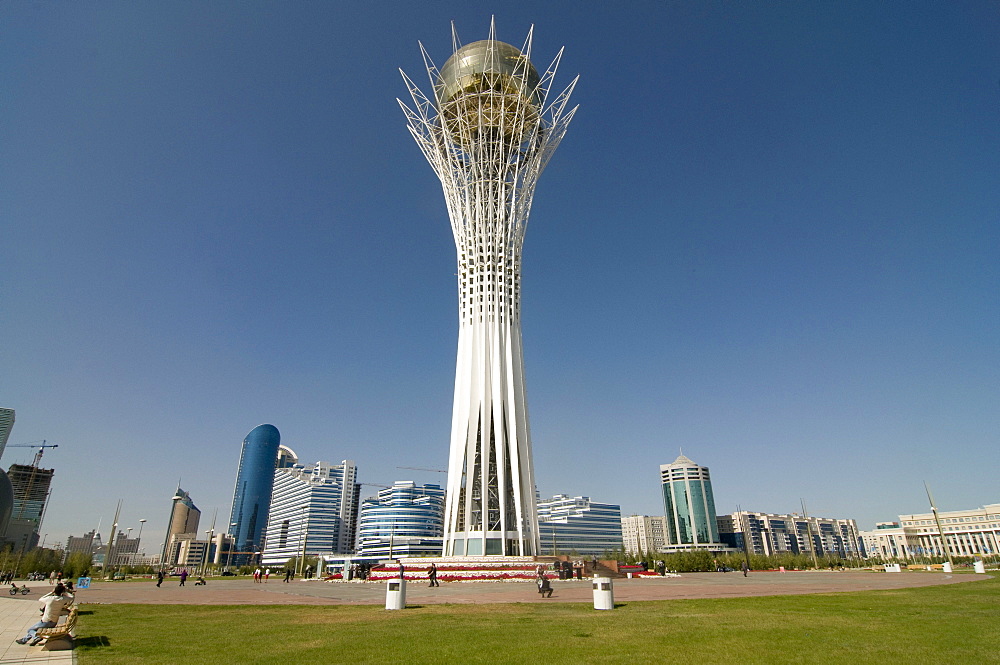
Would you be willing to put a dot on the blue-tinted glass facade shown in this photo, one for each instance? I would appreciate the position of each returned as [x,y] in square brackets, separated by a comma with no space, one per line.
[577,525]
[688,503]
[403,520]
[254,482]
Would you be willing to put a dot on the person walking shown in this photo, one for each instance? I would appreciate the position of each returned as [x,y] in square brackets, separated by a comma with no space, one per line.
[159,578]
[432,575]
[746,569]
[184,576]
[288,574]
[267,573]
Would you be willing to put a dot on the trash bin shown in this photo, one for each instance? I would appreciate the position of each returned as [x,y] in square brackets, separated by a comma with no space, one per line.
[979,567]
[946,566]
[604,595]
[395,594]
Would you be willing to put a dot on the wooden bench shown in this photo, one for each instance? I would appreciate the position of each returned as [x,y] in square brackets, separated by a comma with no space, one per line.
[62,631]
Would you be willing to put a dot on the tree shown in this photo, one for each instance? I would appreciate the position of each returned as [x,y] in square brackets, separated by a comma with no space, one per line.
[77,564]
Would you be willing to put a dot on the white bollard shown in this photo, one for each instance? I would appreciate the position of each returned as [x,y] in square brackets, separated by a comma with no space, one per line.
[395,594]
[979,567]
[604,594]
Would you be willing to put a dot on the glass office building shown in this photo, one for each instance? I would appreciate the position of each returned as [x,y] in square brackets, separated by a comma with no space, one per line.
[577,525]
[313,510]
[252,496]
[689,506]
[405,520]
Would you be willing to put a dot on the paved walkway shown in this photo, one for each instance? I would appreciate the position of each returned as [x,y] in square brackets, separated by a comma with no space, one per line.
[16,616]
[689,585]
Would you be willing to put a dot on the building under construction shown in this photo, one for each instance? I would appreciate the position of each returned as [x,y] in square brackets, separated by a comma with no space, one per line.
[31,493]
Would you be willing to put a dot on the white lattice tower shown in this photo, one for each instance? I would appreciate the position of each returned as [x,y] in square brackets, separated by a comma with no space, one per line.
[488,131]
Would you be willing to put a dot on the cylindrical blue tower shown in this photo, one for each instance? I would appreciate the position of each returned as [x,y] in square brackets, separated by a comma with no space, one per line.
[252,497]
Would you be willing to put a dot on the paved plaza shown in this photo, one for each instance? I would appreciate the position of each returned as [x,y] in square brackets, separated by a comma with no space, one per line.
[17,614]
[244,591]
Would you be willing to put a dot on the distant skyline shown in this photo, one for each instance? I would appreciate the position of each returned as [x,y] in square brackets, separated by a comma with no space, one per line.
[771,239]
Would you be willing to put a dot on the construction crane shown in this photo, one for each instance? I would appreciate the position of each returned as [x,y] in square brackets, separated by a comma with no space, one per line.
[29,486]
[420,468]
[35,444]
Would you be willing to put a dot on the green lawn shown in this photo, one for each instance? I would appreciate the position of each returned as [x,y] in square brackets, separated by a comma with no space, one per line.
[957,623]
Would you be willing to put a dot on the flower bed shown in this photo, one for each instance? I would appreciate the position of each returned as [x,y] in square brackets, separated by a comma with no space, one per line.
[455,575]
[450,568]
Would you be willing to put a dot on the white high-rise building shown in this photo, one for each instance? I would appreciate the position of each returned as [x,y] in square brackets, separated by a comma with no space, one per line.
[642,534]
[313,511]
[488,130]
[769,533]
[6,425]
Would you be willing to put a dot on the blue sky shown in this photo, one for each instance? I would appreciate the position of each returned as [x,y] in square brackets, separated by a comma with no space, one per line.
[770,238]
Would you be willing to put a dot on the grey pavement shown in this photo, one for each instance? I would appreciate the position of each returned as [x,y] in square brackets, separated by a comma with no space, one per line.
[16,616]
[242,591]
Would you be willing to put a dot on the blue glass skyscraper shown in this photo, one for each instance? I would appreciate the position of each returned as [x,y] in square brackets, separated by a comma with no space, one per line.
[252,497]
[689,505]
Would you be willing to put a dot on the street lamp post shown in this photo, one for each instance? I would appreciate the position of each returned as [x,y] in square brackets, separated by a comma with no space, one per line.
[128,536]
[109,557]
[305,536]
[138,539]
[208,551]
[229,553]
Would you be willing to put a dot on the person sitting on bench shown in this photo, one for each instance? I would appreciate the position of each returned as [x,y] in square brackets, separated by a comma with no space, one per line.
[53,604]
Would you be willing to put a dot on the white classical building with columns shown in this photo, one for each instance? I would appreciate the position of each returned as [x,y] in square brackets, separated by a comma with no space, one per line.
[974,532]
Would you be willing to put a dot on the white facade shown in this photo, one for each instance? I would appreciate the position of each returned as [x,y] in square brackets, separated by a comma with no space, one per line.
[642,534]
[488,130]
[974,532]
[313,511]
[577,525]
[772,533]
[404,520]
